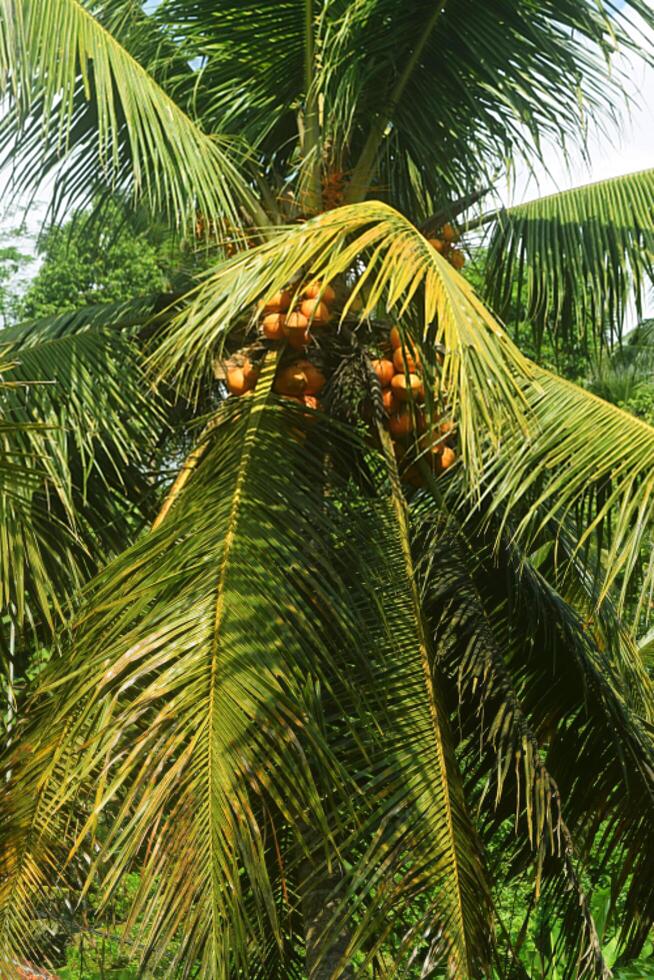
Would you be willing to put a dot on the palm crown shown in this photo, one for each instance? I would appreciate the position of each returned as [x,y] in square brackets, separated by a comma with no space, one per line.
[339,675]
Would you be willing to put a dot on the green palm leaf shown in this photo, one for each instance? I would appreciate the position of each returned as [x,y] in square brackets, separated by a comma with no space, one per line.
[403,274]
[254,694]
[532,683]
[76,94]
[79,418]
[578,257]
[524,434]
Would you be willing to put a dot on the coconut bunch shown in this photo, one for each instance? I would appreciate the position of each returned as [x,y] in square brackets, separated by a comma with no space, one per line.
[402,395]
[444,243]
[296,318]
[288,317]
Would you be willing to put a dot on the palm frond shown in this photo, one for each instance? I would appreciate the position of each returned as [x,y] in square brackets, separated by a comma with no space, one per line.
[534,694]
[395,273]
[425,818]
[490,84]
[80,103]
[79,416]
[589,462]
[524,434]
[577,257]
[255,695]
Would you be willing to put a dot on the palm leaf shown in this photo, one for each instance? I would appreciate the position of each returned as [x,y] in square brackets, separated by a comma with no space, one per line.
[524,434]
[429,99]
[402,272]
[255,694]
[577,257]
[75,94]
[80,419]
[535,693]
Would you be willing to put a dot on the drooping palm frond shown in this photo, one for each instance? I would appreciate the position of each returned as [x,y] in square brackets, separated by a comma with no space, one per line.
[258,697]
[524,434]
[576,258]
[80,104]
[393,272]
[534,693]
[589,462]
[85,425]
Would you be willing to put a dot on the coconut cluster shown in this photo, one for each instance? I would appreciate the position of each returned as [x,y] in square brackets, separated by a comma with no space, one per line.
[292,317]
[403,393]
[444,244]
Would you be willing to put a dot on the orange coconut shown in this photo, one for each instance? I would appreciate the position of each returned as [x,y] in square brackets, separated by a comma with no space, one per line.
[389,401]
[406,360]
[277,303]
[447,458]
[296,330]
[316,290]
[402,422]
[235,379]
[272,326]
[407,388]
[449,233]
[315,310]
[384,370]
[457,258]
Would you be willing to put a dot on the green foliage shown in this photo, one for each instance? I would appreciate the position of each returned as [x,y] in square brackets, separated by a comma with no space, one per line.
[310,716]
[11,261]
[87,261]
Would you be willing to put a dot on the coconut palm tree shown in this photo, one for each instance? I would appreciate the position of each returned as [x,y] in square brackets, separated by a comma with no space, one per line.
[343,689]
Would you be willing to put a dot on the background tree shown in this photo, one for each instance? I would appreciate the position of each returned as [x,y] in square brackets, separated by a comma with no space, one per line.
[85,262]
[315,700]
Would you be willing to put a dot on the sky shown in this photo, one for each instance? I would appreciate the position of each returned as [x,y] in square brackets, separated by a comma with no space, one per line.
[628,149]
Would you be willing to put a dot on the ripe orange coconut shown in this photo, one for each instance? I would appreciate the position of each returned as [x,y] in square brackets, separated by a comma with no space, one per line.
[316,311]
[277,303]
[407,388]
[383,368]
[300,378]
[437,244]
[296,330]
[457,258]
[395,338]
[404,421]
[235,379]
[316,290]
[447,458]
[389,401]
[406,360]
[449,233]
[272,326]
[250,372]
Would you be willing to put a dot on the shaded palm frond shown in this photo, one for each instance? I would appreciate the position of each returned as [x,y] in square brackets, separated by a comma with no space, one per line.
[81,104]
[451,91]
[578,257]
[229,41]
[534,693]
[81,419]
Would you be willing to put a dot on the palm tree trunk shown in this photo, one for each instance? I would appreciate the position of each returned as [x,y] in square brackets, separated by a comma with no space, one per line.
[325,945]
